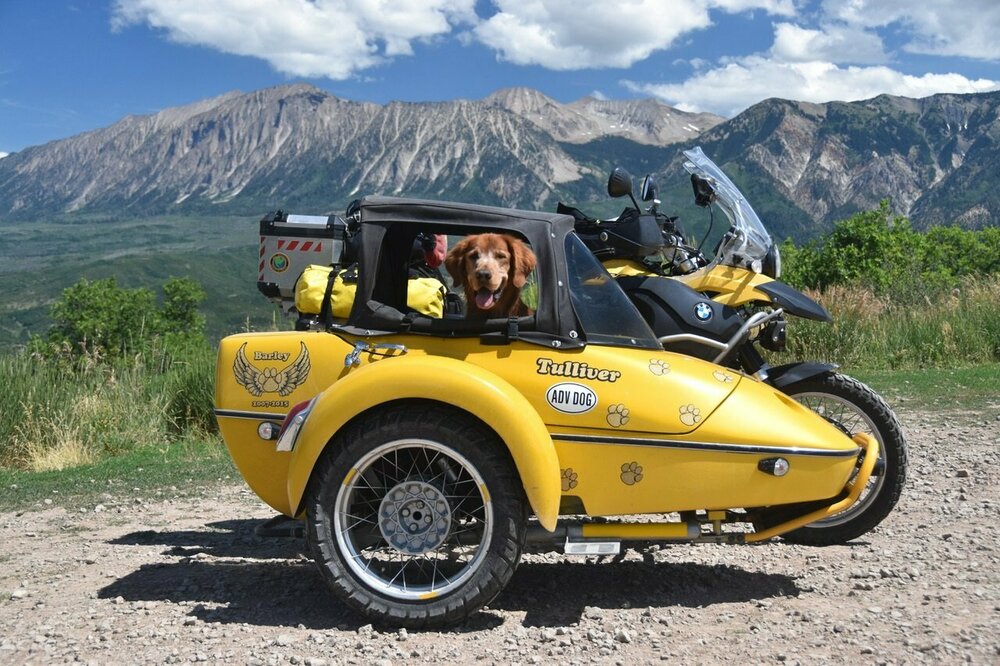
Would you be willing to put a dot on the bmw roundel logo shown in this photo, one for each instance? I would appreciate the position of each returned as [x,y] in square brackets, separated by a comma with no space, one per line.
[703,311]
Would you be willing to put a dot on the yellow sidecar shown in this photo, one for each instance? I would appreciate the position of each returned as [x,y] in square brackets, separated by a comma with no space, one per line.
[418,448]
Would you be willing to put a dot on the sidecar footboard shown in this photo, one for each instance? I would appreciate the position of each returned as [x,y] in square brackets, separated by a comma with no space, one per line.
[853,490]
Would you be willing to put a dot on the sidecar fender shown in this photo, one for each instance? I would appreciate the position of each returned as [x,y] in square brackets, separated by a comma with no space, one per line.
[465,386]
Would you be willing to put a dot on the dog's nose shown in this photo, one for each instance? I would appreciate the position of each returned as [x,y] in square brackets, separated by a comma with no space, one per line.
[483,275]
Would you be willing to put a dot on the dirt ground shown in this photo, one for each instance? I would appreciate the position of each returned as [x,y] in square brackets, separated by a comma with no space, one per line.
[183,578]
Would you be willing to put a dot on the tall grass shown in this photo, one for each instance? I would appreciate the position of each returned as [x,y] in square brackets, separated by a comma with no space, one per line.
[64,411]
[56,414]
[949,329]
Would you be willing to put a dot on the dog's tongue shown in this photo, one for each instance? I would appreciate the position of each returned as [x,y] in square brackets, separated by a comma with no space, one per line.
[484,299]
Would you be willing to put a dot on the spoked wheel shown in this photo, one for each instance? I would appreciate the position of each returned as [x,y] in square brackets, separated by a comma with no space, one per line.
[852,407]
[417,519]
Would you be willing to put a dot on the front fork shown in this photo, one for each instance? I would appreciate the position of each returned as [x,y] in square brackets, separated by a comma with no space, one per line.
[750,361]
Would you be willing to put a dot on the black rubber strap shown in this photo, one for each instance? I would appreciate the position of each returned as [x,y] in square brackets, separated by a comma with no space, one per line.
[326,309]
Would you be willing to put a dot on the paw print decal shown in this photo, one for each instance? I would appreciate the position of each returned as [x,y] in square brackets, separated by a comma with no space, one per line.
[690,415]
[722,377]
[617,415]
[658,367]
[631,473]
[569,478]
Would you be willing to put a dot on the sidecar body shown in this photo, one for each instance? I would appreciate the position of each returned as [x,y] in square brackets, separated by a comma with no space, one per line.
[417,448]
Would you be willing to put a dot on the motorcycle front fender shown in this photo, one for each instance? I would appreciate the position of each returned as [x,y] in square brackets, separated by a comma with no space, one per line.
[794,301]
[781,376]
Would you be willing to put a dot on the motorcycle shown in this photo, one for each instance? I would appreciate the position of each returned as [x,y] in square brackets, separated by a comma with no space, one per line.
[721,308]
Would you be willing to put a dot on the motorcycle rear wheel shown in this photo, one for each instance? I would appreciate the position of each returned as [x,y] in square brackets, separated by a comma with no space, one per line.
[852,407]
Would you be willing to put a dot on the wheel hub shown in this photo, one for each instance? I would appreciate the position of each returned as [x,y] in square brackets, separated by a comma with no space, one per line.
[414,517]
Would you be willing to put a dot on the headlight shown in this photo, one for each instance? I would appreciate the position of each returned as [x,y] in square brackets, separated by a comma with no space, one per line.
[772,262]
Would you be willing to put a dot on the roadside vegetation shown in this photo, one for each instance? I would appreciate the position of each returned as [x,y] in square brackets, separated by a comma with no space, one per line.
[116,372]
[119,390]
[899,298]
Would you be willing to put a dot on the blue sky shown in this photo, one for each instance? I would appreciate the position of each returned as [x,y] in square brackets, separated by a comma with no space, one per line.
[68,67]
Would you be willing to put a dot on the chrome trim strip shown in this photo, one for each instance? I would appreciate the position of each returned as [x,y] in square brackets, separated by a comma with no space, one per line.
[256,416]
[756,449]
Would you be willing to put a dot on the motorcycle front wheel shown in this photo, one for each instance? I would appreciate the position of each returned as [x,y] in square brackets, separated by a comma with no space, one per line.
[852,407]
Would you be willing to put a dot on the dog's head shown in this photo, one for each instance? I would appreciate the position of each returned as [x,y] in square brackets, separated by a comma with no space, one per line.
[488,265]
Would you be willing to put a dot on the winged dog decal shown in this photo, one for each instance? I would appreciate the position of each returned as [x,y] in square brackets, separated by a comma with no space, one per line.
[271,380]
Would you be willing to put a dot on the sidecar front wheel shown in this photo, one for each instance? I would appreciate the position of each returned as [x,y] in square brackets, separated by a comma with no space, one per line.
[415,516]
[852,407]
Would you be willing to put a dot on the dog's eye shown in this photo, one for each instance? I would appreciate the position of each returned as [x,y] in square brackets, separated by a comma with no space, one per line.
[474,256]
[501,255]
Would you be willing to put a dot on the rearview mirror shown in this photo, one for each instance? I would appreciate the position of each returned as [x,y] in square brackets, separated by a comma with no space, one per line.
[647,191]
[619,183]
[704,193]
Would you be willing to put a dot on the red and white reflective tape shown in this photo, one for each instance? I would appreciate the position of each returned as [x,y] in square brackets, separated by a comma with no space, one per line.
[293,245]
[260,273]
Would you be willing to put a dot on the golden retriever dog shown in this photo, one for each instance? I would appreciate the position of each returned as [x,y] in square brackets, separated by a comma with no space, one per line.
[492,269]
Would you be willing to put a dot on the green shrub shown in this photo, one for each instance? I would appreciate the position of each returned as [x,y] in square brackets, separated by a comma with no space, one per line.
[881,252]
[98,319]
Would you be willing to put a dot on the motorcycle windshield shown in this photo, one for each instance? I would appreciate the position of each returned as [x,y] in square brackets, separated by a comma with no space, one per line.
[747,243]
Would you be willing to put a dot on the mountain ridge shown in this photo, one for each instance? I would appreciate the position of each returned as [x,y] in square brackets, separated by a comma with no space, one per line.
[296,146]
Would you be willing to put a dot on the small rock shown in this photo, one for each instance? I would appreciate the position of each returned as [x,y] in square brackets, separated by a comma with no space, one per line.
[284,640]
[962,474]
[99,508]
[623,636]
[18,594]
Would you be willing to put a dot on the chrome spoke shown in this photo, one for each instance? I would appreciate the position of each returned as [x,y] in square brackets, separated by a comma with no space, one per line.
[426,523]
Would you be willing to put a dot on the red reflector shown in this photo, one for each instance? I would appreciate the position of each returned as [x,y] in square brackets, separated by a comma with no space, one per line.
[291,415]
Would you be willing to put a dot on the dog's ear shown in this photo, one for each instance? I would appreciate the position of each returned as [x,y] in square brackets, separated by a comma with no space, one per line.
[455,261]
[522,261]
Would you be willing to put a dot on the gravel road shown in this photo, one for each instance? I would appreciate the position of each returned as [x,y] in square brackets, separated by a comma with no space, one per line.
[183,578]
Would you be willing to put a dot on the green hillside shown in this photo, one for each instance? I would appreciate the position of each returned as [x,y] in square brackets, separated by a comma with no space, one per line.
[45,258]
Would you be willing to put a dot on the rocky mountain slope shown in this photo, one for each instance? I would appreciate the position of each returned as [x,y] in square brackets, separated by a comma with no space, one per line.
[937,159]
[645,121]
[297,145]
[803,165]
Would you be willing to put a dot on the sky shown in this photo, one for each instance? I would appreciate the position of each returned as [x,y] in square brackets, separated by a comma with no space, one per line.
[68,66]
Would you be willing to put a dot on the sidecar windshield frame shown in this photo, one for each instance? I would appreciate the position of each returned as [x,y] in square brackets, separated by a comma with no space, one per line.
[605,313]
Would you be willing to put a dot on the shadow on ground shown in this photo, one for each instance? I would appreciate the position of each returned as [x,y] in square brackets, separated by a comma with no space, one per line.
[273,583]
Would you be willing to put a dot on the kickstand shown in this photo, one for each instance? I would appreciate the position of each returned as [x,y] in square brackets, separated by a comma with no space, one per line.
[281,527]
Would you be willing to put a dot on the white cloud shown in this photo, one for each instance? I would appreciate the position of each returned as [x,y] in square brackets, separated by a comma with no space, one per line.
[3,154]
[316,38]
[581,34]
[732,87]
[782,7]
[836,43]
[968,28]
